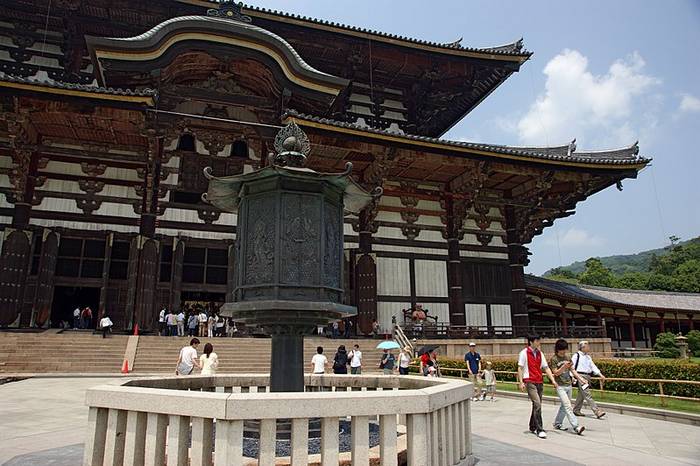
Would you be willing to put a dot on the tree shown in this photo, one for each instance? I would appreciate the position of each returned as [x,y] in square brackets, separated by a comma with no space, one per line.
[633,281]
[666,345]
[694,342]
[597,274]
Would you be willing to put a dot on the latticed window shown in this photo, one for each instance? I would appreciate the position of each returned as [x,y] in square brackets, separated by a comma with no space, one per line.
[80,258]
[205,265]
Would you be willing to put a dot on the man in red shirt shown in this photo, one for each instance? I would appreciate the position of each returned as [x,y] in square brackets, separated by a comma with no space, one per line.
[531,361]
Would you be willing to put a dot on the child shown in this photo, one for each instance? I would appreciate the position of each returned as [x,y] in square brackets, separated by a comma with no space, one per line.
[490,378]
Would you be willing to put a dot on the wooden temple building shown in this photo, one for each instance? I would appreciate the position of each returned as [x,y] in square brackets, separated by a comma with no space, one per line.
[111,109]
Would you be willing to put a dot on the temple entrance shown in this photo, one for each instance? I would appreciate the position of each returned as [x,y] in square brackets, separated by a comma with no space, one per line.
[202,299]
[67,298]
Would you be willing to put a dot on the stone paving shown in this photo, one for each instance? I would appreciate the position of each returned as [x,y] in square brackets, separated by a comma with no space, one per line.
[44,423]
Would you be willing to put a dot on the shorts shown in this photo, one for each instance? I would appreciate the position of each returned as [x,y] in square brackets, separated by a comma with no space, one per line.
[491,389]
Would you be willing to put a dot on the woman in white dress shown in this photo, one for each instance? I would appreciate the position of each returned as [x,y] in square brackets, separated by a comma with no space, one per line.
[209,360]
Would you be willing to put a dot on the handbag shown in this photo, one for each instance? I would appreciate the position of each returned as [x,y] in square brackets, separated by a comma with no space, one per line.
[574,380]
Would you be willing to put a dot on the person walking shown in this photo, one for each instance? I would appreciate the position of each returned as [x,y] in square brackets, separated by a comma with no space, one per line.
[531,362]
[220,331]
[171,321]
[490,379]
[563,370]
[202,323]
[210,326]
[209,361]
[473,360]
[106,325]
[336,330]
[86,315]
[192,323]
[340,361]
[180,323]
[76,318]
[584,365]
[404,360]
[187,360]
[355,360]
[375,329]
[161,322]
[319,362]
[388,362]
[348,328]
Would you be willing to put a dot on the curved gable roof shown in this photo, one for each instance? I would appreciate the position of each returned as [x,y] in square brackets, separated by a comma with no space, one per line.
[153,44]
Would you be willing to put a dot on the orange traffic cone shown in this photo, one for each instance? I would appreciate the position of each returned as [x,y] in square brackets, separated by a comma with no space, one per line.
[136,329]
[125,367]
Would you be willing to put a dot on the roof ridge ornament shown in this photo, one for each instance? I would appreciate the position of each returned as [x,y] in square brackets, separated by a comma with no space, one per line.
[455,45]
[229,9]
[572,148]
[292,146]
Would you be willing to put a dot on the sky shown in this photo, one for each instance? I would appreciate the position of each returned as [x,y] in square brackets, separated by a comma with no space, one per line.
[606,73]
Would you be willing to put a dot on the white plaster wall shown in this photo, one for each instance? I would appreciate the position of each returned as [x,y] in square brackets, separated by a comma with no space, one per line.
[500,315]
[431,278]
[411,249]
[5,162]
[4,203]
[475,314]
[440,310]
[84,225]
[195,234]
[63,167]
[59,205]
[484,255]
[386,310]
[393,276]
[117,210]
[181,215]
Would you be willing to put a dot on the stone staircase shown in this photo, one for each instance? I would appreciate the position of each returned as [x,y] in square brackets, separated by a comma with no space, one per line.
[73,352]
[239,355]
[82,352]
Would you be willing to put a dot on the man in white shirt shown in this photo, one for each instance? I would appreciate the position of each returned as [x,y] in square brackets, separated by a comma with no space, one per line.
[161,321]
[202,323]
[105,325]
[181,324]
[187,360]
[584,365]
[319,362]
[76,318]
[355,360]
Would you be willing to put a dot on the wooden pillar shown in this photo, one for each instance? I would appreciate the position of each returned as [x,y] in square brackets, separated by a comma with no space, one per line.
[662,326]
[366,274]
[109,240]
[633,337]
[564,319]
[600,323]
[176,274]
[43,295]
[517,258]
[691,325]
[454,213]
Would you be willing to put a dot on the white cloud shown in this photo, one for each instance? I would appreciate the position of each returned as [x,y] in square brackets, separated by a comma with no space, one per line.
[597,109]
[689,103]
[575,238]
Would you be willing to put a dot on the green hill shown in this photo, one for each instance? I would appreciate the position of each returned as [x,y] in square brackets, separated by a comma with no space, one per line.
[619,264]
[674,268]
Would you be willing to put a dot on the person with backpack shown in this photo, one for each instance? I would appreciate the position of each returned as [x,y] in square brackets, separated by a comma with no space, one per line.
[192,323]
[387,363]
[355,360]
[87,317]
[340,361]
[584,365]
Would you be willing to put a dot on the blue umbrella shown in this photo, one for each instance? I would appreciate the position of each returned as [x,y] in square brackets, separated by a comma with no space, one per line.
[388,344]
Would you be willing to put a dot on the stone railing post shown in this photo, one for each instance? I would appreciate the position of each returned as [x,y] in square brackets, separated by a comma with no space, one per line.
[201,450]
[178,440]
[135,442]
[156,429]
[387,440]
[229,443]
[360,440]
[114,441]
[268,441]
[95,441]
[417,440]
[329,441]
[300,442]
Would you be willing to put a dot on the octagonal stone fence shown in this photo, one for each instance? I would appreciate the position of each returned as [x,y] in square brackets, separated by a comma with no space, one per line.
[200,420]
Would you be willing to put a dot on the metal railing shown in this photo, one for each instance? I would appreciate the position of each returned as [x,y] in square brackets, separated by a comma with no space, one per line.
[463,373]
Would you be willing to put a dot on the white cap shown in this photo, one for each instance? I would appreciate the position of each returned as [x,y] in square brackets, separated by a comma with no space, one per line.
[472,344]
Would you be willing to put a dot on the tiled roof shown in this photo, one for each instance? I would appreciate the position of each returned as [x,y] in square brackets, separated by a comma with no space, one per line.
[624,156]
[654,300]
[50,83]
[512,49]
